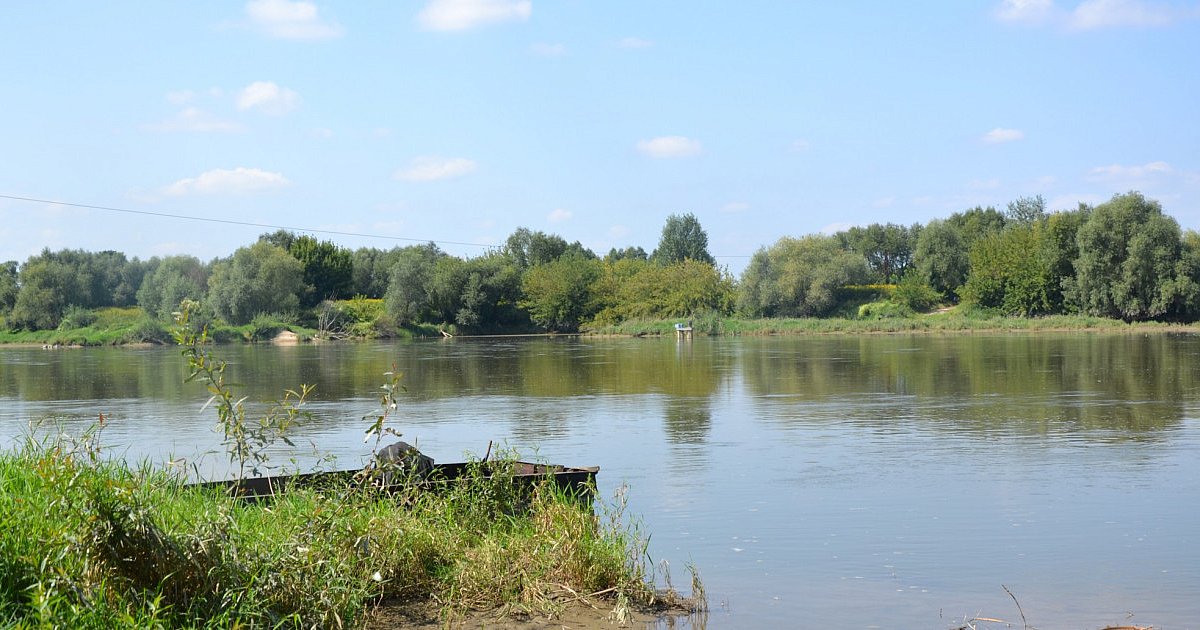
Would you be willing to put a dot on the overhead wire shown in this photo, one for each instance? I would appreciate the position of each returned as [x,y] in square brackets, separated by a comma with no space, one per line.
[169,215]
[234,222]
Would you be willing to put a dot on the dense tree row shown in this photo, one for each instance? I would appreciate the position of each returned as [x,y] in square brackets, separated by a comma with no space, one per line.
[1122,259]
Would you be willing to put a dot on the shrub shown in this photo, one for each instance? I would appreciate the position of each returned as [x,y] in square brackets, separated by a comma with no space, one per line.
[884,310]
[76,317]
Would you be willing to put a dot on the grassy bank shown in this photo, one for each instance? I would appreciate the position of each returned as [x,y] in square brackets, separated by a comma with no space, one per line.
[946,322]
[87,543]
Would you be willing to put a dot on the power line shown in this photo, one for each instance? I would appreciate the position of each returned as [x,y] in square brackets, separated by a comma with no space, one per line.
[185,217]
[232,222]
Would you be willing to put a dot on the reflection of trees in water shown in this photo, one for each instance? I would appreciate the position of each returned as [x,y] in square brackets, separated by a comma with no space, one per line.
[1107,386]
[687,420]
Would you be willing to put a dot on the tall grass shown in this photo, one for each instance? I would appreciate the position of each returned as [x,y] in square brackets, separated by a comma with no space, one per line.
[957,320]
[91,543]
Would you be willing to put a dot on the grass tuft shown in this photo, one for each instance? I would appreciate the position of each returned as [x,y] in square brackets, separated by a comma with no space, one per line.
[98,544]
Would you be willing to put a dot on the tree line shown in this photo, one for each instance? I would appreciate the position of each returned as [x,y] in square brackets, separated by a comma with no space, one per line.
[1121,259]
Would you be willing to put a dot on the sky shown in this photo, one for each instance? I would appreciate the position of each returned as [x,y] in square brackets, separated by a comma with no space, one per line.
[458,121]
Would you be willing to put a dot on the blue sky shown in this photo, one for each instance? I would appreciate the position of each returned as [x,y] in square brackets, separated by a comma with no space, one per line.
[459,121]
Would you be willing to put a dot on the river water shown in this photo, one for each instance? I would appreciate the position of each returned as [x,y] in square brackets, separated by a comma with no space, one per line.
[847,482]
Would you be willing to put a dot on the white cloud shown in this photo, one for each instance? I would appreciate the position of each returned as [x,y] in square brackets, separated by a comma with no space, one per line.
[634,43]
[194,119]
[381,132]
[268,98]
[1025,11]
[798,145]
[548,50]
[1000,135]
[238,181]
[323,133]
[285,19]
[619,231]
[462,15]
[1093,14]
[558,215]
[428,169]
[884,202]
[669,147]
[1119,172]
[735,207]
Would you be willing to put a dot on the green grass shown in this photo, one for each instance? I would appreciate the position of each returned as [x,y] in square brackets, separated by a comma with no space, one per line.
[107,327]
[954,320]
[88,543]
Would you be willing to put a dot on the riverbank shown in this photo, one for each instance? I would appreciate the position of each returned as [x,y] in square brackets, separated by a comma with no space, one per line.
[949,321]
[93,543]
[131,327]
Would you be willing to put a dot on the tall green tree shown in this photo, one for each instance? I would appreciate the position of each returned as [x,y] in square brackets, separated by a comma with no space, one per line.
[887,248]
[261,278]
[8,286]
[1130,262]
[631,288]
[328,269]
[560,295]
[682,239]
[409,298]
[527,248]
[636,253]
[1011,270]
[799,277]
[942,254]
[1024,210]
[172,280]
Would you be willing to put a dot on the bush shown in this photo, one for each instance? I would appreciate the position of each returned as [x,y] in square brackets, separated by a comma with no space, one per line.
[266,326]
[76,317]
[916,294]
[884,310]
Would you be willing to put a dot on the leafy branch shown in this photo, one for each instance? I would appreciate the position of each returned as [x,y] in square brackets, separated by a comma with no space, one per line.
[246,441]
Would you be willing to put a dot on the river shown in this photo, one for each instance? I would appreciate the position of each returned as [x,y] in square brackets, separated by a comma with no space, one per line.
[847,481]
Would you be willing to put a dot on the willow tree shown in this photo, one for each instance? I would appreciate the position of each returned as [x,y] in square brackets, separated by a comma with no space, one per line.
[1130,263]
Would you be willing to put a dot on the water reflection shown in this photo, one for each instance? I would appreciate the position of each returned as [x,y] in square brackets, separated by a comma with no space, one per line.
[1111,387]
[908,475]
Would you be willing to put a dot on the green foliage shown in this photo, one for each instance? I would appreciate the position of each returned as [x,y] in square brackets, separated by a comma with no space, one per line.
[410,293]
[170,281]
[489,296]
[328,269]
[887,248]
[87,543]
[682,239]
[799,277]
[526,248]
[942,253]
[914,293]
[1026,210]
[1129,263]
[76,317]
[258,279]
[560,295]
[636,253]
[1012,271]
[886,309]
[941,257]
[8,286]
[635,289]
[246,441]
